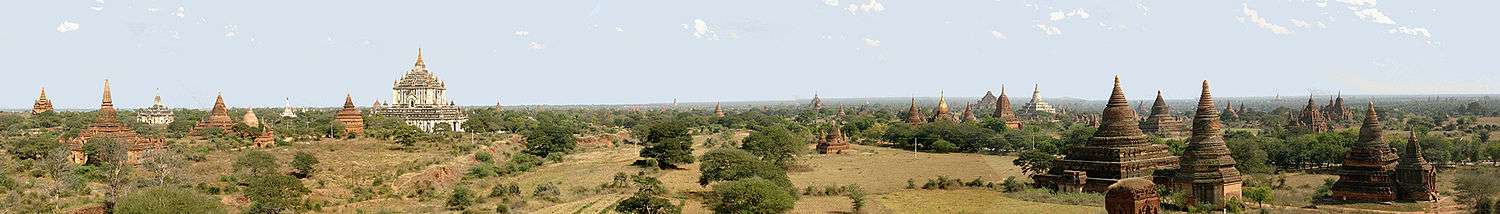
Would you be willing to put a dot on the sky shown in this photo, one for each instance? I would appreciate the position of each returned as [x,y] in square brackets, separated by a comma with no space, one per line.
[556,52]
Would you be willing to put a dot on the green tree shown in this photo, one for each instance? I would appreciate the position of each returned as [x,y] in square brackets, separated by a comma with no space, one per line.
[649,198]
[274,193]
[304,163]
[752,195]
[255,162]
[736,164]
[857,197]
[775,145]
[461,198]
[167,200]
[549,138]
[34,147]
[669,143]
[1034,162]
[1260,195]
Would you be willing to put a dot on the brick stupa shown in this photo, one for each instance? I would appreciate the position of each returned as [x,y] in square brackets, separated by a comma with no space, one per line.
[1369,166]
[42,103]
[719,112]
[1132,196]
[107,126]
[1162,122]
[218,117]
[1417,179]
[1207,172]
[914,116]
[1004,113]
[834,142]
[353,121]
[1118,150]
[968,115]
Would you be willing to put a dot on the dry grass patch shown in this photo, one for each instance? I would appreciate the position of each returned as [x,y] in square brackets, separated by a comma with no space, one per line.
[970,201]
[882,170]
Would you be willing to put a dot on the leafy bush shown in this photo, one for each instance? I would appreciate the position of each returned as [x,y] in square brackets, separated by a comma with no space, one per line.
[547,191]
[461,198]
[752,195]
[304,164]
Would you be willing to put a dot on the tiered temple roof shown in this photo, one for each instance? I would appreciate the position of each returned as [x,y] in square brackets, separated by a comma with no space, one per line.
[968,115]
[1162,122]
[266,138]
[1207,171]
[157,114]
[218,117]
[834,142]
[1229,110]
[107,125]
[942,114]
[1132,196]
[1369,166]
[1339,116]
[914,116]
[817,103]
[1036,108]
[419,98]
[1416,178]
[42,103]
[719,112]
[1310,119]
[354,122]
[988,100]
[1118,150]
[1004,112]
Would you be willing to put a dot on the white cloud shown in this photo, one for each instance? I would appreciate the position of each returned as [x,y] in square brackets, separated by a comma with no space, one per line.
[1254,17]
[869,7]
[1358,2]
[98,6]
[619,28]
[831,2]
[998,35]
[536,46]
[872,42]
[1413,31]
[1374,15]
[180,12]
[1301,24]
[700,28]
[1049,30]
[231,31]
[1060,15]
[521,33]
[67,26]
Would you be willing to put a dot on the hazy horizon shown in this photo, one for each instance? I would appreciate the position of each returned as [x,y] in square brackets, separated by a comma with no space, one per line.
[606,52]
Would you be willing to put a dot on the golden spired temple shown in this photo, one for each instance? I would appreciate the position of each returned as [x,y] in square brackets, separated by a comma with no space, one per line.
[107,126]
[942,114]
[1162,122]
[1207,172]
[1118,150]
[353,121]
[421,100]
[42,103]
[1369,166]
[218,118]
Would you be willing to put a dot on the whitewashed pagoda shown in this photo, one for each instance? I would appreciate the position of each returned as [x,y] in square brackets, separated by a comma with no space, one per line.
[420,99]
[1036,107]
[158,114]
[288,112]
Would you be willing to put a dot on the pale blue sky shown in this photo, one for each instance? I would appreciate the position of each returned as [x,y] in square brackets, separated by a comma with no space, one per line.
[613,51]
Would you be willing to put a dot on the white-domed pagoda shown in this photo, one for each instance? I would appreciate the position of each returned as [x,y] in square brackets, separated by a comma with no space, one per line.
[420,99]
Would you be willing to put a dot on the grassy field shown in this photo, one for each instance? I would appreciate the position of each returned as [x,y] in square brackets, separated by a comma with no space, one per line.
[970,201]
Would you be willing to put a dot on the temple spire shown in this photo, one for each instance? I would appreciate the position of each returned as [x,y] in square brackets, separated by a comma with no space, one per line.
[157,100]
[419,58]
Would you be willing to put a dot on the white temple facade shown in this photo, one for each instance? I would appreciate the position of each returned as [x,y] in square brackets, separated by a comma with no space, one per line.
[421,99]
[157,114]
[1036,107]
